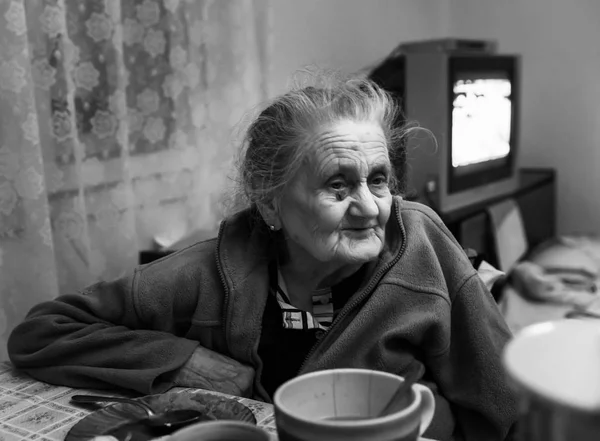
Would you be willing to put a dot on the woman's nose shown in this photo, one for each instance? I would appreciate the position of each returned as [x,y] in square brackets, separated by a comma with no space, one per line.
[364,203]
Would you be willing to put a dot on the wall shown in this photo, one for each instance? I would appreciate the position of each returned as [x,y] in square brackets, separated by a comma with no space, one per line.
[346,34]
[558,40]
[560,120]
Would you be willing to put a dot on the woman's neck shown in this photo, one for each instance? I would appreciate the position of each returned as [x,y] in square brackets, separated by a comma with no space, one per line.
[302,269]
[301,281]
[316,277]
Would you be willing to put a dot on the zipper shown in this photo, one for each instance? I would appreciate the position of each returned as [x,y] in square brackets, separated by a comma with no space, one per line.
[223,281]
[260,388]
[357,301]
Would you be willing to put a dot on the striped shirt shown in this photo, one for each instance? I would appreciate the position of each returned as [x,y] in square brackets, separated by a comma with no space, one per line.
[288,334]
[294,318]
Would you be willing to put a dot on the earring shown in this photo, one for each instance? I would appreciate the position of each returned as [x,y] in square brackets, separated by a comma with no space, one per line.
[272,227]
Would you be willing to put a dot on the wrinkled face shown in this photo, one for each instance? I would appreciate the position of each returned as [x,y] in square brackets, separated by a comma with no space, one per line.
[337,206]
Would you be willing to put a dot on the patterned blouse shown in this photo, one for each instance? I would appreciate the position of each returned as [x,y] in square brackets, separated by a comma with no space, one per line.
[294,318]
[288,333]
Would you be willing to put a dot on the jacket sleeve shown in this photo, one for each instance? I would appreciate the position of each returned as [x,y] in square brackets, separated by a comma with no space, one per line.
[469,371]
[100,338]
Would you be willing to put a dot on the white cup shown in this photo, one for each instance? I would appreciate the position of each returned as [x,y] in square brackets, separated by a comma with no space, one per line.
[309,407]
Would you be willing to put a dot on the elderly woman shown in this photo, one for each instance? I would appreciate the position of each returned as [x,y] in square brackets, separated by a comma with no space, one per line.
[325,269]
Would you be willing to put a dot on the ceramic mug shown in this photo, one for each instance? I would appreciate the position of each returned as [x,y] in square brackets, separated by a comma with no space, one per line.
[221,430]
[555,368]
[343,404]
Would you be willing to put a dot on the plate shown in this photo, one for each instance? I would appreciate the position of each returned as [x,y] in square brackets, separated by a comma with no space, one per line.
[120,418]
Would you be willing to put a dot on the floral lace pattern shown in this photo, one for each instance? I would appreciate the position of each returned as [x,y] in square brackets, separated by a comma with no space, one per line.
[116,122]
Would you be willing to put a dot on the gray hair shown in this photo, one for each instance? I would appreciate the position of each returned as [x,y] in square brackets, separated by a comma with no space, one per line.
[274,146]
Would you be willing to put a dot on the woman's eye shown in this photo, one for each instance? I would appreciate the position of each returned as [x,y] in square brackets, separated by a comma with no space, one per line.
[379,181]
[337,185]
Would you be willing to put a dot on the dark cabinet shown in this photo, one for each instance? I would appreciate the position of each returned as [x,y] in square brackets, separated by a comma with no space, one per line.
[536,199]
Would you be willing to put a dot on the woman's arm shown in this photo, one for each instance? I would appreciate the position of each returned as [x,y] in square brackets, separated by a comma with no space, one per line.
[100,339]
[469,372]
[207,369]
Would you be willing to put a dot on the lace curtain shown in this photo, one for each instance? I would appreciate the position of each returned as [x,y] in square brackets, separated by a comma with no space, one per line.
[115,126]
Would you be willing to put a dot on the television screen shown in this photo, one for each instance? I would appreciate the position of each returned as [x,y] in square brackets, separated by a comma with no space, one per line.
[481,119]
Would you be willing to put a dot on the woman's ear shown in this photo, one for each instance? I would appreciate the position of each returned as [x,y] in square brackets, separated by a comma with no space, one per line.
[270,214]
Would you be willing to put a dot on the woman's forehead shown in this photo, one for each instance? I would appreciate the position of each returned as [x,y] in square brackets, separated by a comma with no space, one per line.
[348,141]
[348,131]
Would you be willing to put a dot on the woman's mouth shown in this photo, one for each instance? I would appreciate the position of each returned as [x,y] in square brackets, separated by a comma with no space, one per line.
[359,231]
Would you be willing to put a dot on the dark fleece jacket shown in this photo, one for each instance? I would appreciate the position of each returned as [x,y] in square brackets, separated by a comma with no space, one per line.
[422,303]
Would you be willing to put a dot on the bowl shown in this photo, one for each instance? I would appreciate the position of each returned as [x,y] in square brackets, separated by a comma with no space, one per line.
[221,430]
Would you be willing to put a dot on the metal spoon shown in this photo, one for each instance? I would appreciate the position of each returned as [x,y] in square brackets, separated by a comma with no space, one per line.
[171,420]
[402,397]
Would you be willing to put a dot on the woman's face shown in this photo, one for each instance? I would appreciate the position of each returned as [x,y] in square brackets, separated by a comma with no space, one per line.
[337,206]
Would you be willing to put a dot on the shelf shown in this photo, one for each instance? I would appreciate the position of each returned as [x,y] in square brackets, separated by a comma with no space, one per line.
[529,180]
[536,199]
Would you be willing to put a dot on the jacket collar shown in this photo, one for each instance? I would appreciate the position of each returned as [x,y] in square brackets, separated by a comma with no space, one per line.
[244,249]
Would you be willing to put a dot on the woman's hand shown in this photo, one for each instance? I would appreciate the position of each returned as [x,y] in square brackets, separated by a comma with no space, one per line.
[210,370]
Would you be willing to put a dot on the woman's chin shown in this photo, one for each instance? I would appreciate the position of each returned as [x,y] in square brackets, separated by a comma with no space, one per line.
[361,251]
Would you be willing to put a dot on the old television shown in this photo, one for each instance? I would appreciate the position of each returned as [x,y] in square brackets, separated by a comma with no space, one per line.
[467,96]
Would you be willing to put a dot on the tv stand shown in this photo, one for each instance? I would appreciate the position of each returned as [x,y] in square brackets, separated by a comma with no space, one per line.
[535,196]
